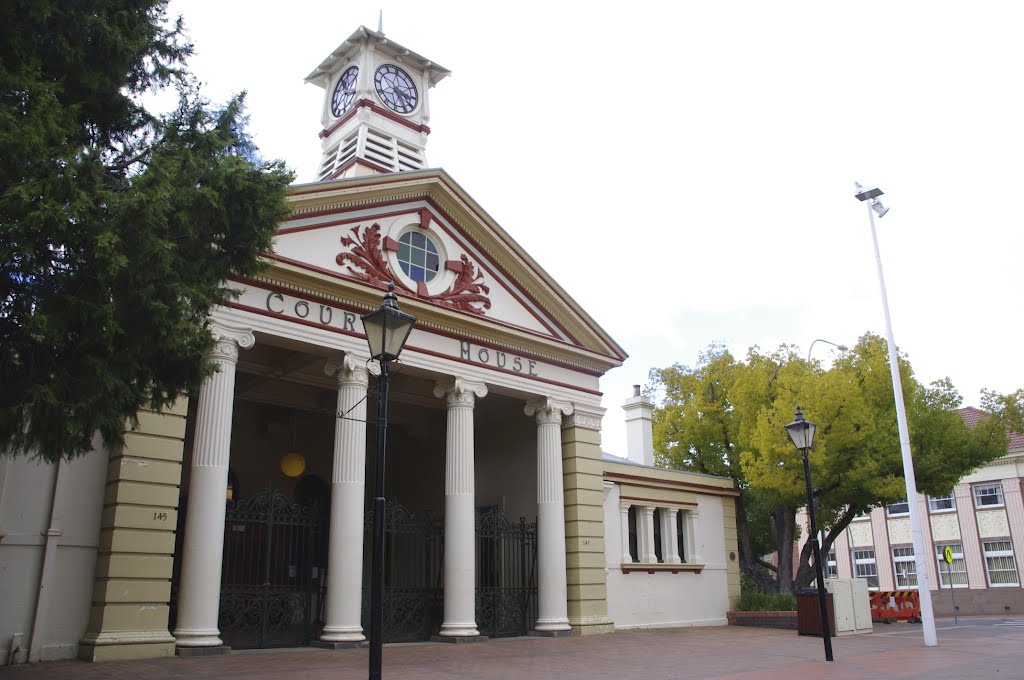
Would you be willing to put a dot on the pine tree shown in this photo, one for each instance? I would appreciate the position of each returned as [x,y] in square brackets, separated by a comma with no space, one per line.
[118,226]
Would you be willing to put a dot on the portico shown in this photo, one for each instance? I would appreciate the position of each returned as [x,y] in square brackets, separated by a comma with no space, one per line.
[482,403]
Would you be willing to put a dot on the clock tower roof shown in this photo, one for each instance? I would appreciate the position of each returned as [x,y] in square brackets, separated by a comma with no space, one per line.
[344,52]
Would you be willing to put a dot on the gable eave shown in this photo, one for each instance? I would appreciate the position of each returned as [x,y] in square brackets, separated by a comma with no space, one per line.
[439,189]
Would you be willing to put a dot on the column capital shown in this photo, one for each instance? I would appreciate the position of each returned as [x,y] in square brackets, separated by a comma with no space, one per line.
[585,417]
[548,410]
[228,339]
[349,370]
[460,392]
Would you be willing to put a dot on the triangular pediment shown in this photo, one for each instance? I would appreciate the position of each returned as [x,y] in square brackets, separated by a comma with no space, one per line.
[446,256]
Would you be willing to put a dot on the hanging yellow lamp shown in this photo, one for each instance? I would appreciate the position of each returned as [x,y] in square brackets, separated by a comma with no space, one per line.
[293,464]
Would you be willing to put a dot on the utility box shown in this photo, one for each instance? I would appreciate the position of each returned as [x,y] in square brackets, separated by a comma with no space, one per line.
[852,606]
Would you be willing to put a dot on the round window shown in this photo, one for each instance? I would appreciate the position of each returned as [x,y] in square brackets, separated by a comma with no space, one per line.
[417,255]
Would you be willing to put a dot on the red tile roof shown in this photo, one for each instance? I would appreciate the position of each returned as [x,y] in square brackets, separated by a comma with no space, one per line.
[972,415]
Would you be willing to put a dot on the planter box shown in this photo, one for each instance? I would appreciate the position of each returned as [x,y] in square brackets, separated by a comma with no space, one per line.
[786,620]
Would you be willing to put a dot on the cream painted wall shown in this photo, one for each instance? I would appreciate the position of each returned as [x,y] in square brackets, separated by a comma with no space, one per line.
[641,600]
[59,613]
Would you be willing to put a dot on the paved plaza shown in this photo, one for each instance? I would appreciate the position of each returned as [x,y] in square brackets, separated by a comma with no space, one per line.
[975,648]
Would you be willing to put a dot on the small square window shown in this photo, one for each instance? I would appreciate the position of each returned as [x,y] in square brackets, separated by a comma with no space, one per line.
[940,503]
[864,567]
[901,508]
[904,567]
[951,574]
[999,563]
[988,495]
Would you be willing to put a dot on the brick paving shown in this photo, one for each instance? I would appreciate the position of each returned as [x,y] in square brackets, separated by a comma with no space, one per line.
[969,650]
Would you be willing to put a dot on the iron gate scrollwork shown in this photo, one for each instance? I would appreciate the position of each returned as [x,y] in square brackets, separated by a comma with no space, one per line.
[506,574]
[272,567]
[413,591]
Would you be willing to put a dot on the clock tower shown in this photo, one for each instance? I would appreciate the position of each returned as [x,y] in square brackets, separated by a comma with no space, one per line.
[376,106]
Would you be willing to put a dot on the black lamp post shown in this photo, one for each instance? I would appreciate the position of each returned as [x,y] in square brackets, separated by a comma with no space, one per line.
[386,330]
[802,433]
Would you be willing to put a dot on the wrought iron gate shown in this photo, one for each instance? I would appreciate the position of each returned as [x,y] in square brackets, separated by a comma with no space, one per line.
[506,574]
[270,582]
[413,555]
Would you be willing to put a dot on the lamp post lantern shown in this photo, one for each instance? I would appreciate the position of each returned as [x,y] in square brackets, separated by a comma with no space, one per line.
[801,432]
[386,330]
[840,347]
[870,197]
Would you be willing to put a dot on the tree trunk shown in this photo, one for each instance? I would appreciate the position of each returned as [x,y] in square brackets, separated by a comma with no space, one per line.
[750,565]
[806,573]
[785,525]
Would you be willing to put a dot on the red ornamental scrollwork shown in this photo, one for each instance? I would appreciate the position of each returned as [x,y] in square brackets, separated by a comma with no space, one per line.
[467,291]
[365,261]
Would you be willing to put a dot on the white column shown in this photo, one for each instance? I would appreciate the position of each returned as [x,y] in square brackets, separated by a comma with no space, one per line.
[345,551]
[553,613]
[647,553]
[459,509]
[669,536]
[627,557]
[199,599]
[694,550]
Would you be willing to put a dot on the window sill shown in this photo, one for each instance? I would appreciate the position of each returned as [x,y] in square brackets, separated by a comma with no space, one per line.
[650,568]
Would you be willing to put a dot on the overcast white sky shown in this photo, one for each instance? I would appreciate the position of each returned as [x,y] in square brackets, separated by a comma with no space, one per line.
[685,171]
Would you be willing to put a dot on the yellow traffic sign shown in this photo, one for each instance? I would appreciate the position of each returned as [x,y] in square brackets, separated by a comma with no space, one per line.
[947,554]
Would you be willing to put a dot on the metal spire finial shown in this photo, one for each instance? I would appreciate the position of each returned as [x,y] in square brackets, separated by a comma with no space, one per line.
[380,22]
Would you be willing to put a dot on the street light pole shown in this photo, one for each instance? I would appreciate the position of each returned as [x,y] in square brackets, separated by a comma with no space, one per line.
[801,432]
[870,196]
[386,329]
[377,554]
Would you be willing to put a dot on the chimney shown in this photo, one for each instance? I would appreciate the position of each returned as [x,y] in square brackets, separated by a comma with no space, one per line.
[639,430]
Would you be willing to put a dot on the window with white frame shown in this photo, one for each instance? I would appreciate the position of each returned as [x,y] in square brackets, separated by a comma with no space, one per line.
[904,567]
[988,495]
[831,565]
[954,574]
[901,508]
[940,503]
[864,567]
[999,563]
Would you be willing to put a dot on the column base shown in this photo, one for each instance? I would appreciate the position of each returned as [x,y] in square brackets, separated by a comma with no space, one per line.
[550,625]
[552,633]
[202,651]
[339,644]
[592,625]
[459,639]
[126,645]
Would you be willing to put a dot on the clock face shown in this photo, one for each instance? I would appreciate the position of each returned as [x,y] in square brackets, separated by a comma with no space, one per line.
[344,91]
[396,88]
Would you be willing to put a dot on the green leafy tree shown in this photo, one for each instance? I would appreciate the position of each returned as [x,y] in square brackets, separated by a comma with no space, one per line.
[727,417]
[118,227]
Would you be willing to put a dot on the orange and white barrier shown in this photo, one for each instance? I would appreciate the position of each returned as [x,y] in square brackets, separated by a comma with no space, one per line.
[895,605]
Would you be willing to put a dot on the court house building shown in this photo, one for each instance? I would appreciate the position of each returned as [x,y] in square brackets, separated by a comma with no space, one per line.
[240,518]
